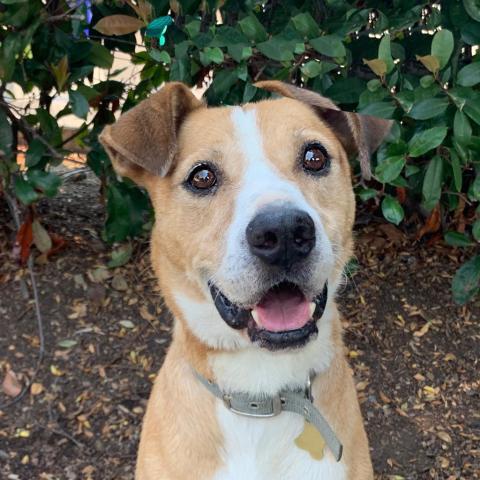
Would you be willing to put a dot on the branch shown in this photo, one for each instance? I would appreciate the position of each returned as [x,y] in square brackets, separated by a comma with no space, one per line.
[11,201]
[28,131]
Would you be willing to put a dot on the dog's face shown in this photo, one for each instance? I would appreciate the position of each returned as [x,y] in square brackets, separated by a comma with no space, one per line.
[254,209]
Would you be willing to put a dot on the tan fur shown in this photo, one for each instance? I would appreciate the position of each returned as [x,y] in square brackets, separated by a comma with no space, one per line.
[180,431]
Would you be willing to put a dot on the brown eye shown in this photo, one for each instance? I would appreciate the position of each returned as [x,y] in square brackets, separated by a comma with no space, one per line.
[202,177]
[315,158]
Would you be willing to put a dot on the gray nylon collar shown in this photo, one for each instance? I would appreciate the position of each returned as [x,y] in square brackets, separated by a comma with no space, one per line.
[266,406]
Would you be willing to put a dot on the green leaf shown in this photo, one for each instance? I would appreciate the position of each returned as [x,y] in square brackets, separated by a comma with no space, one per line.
[427,81]
[222,82]
[312,69]
[24,191]
[374,85]
[423,142]
[160,56]
[466,282]
[472,109]
[457,170]
[50,129]
[442,46]
[390,168]
[471,33]
[457,239]
[249,92]
[469,75]
[392,210]
[476,230]
[47,182]
[100,56]
[306,25]
[211,55]
[329,45]
[428,108]
[473,8]
[346,90]
[253,29]
[366,194]
[60,72]
[379,109]
[126,211]
[120,256]
[240,52]
[476,187]
[432,183]
[385,52]
[462,129]
[35,152]
[411,170]
[6,136]
[78,103]
[277,49]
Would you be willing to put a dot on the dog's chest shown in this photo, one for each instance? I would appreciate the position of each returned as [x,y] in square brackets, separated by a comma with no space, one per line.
[265,449]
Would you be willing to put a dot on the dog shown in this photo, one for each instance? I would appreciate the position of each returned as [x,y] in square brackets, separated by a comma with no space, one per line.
[254,213]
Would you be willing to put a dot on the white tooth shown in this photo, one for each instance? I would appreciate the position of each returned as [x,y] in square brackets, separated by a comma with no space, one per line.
[255,316]
[312,307]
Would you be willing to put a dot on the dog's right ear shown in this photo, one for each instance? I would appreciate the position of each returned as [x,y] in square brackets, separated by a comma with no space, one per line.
[144,140]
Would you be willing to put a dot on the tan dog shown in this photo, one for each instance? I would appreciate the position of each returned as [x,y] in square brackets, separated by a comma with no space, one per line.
[254,212]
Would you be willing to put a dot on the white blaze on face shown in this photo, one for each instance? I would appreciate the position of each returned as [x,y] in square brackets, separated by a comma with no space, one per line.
[238,276]
[261,185]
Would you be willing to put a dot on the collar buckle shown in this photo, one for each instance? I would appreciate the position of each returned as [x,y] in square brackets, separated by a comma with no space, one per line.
[269,407]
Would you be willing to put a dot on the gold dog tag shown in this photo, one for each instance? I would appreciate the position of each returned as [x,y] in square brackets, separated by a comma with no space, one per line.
[312,441]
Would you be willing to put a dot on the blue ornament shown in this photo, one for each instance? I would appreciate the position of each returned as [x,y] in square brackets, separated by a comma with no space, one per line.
[158,27]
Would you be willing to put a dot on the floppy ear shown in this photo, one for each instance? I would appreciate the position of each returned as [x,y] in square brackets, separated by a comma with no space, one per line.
[359,135]
[144,140]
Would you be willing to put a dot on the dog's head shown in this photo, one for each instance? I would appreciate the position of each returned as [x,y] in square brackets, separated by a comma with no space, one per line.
[254,207]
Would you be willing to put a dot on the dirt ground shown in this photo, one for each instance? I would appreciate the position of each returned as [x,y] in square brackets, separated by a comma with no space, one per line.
[415,354]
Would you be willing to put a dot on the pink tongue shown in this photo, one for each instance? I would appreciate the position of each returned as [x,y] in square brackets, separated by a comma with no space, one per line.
[283,309]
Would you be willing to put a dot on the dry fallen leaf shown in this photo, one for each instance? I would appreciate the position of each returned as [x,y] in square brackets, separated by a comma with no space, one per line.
[99,274]
[119,283]
[11,385]
[422,331]
[36,388]
[444,436]
[56,371]
[145,314]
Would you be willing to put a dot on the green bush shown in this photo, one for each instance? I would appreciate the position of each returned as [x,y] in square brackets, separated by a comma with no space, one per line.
[415,62]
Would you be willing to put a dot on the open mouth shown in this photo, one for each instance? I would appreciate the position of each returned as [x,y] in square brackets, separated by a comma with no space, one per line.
[283,318]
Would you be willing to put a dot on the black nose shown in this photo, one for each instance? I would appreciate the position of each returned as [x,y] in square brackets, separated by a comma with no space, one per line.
[281,236]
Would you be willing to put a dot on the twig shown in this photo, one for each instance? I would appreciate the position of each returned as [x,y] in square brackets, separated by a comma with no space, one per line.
[63,433]
[77,133]
[41,351]
[28,131]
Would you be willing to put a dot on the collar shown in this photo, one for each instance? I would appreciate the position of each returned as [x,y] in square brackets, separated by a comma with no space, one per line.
[264,406]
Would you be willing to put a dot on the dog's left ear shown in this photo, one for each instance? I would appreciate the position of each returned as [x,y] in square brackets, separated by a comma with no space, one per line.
[143,141]
[359,135]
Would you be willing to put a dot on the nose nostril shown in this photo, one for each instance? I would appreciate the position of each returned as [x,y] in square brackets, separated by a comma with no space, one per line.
[303,234]
[270,240]
[281,236]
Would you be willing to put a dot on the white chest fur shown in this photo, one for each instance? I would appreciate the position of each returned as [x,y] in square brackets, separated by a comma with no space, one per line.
[264,449]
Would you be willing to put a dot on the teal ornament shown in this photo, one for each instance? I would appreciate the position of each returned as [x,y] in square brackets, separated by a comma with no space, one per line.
[158,28]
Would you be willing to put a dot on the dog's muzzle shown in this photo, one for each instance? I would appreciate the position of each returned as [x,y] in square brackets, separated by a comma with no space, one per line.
[259,320]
